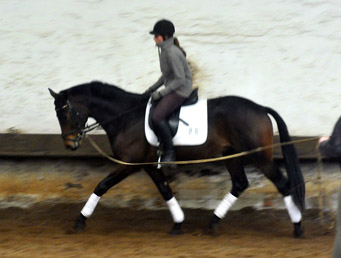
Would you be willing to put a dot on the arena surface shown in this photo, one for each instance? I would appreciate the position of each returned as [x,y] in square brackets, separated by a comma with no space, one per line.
[44,231]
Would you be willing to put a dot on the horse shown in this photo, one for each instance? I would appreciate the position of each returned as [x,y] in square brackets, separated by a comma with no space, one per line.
[235,125]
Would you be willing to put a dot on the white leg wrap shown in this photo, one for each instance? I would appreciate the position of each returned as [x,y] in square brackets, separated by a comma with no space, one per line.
[225,205]
[294,212]
[90,205]
[176,211]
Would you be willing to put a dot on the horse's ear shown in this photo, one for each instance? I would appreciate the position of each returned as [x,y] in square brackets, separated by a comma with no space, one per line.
[53,94]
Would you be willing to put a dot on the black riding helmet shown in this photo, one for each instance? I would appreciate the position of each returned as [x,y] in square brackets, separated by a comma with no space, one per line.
[163,28]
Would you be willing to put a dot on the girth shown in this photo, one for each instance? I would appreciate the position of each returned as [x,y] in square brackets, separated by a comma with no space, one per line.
[174,118]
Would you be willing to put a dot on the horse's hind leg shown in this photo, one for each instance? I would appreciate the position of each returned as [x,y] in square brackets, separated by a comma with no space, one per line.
[239,184]
[161,183]
[120,173]
[275,175]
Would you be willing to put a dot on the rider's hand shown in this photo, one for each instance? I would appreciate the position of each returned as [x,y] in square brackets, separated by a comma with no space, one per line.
[156,95]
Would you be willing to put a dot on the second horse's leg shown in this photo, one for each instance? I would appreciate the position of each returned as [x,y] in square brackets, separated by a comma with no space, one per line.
[239,184]
[161,183]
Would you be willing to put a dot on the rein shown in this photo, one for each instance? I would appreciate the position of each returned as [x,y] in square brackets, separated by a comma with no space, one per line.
[93,126]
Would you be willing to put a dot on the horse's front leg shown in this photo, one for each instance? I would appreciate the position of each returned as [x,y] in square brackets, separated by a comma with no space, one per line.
[161,183]
[120,173]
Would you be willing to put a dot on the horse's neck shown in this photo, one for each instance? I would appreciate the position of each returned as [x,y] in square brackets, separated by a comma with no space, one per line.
[105,111]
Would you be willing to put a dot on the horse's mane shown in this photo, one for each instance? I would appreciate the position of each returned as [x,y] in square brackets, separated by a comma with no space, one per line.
[99,89]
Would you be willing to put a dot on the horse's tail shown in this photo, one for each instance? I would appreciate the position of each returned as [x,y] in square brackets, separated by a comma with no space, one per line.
[295,176]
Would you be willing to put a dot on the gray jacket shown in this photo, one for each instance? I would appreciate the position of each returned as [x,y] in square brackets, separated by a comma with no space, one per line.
[176,74]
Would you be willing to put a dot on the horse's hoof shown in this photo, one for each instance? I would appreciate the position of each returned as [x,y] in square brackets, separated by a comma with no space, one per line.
[79,224]
[212,230]
[298,231]
[78,227]
[176,230]
[213,226]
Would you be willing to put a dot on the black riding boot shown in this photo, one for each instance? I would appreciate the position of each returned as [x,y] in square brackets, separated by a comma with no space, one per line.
[165,137]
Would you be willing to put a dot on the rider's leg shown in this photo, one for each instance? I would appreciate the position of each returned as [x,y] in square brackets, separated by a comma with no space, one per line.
[164,108]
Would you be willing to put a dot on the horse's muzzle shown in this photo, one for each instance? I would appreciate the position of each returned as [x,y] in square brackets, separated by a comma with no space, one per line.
[72,144]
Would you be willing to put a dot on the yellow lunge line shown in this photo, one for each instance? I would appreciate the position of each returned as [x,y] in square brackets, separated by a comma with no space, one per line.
[240,154]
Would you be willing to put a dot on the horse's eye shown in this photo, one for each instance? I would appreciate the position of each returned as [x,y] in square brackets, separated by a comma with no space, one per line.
[61,113]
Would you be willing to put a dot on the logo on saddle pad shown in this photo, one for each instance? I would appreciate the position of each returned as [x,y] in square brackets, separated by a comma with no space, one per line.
[191,128]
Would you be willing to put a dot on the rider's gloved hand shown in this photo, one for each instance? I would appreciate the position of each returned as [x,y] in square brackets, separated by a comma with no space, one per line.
[156,95]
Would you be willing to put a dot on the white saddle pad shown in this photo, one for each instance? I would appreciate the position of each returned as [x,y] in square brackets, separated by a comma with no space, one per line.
[195,133]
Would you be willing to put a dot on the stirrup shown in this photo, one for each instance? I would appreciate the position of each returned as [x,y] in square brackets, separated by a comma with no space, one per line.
[168,157]
[158,154]
[160,158]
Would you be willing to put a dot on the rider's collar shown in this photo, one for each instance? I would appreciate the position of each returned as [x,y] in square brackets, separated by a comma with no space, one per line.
[166,44]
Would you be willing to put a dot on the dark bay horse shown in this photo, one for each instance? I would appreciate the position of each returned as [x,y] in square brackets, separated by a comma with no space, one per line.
[235,125]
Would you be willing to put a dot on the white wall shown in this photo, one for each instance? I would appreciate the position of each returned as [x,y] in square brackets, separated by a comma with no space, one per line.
[283,54]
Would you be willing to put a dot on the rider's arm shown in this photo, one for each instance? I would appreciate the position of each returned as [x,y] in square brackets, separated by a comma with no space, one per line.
[175,62]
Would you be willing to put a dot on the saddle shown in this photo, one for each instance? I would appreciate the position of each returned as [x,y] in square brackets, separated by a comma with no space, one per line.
[174,119]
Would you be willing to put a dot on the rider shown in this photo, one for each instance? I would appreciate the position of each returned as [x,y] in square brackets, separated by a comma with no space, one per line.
[177,78]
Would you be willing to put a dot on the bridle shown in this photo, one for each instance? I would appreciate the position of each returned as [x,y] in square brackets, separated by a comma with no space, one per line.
[82,130]
[76,121]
